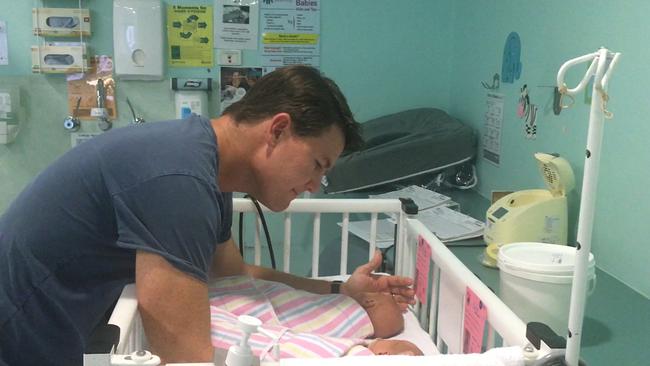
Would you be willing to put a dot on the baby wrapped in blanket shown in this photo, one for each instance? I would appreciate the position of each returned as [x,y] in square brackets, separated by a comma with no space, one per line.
[304,324]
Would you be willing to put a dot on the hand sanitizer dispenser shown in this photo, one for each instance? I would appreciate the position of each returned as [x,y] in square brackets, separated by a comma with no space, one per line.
[241,354]
[137,39]
[191,96]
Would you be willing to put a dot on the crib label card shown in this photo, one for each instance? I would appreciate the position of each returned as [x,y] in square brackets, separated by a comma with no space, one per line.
[474,324]
[422,269]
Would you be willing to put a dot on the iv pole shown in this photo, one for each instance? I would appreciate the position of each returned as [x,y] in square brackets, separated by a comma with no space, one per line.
[600,69]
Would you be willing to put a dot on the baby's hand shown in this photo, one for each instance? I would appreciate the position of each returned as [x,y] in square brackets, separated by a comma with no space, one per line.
[363,280]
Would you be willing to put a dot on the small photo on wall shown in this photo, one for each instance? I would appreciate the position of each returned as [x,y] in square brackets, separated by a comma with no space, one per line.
[235,82]
[235,14]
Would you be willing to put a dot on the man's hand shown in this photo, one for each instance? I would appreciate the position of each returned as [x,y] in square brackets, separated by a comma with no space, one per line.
[363,280]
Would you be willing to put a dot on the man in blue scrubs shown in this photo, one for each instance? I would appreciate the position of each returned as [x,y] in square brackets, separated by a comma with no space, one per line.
[152,204]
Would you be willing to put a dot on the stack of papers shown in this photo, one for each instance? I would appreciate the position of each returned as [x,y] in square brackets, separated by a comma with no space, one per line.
[449,225]
[385,231]
[435,212]
[422,197]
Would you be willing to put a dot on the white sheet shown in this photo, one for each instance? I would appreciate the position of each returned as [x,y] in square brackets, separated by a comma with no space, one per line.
[508,356]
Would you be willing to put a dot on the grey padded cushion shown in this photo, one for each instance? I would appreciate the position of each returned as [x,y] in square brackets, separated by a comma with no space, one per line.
[400,145]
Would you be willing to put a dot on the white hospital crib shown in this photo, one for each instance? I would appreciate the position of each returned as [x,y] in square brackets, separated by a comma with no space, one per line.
[440,315]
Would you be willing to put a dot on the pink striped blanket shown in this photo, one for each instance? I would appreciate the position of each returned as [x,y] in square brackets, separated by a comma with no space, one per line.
[301,323]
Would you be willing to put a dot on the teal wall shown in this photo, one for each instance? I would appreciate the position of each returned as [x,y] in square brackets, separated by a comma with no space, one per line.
[373,52]
[390,56]
[552,32]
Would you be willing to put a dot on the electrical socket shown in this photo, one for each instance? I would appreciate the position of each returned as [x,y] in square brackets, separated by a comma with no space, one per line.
[230,57]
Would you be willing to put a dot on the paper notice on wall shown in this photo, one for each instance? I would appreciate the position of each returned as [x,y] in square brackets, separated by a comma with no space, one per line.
[492,132]
[4,48]
[189,34]
[236,24]
[290,33]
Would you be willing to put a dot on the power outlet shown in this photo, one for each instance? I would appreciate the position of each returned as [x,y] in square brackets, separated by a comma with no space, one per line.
[230,57]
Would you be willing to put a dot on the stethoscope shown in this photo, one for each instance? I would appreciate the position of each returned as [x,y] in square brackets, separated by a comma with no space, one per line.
[264,225]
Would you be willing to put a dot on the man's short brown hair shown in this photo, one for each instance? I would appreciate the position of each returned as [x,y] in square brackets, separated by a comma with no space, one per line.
[313,101]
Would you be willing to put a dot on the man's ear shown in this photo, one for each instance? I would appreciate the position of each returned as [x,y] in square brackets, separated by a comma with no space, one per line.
[280,125]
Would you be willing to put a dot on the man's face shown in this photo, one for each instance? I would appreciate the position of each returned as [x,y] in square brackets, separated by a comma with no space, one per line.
[297,164]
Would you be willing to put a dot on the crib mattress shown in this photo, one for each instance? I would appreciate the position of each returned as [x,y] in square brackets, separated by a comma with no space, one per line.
[401,146]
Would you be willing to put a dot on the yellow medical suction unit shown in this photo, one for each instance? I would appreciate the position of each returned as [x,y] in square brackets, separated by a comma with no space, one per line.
[532,215]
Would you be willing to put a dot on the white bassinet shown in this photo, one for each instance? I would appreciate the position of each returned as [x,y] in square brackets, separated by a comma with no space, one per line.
[440,315]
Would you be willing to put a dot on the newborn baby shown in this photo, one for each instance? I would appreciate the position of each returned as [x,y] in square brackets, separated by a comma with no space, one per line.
[306,324]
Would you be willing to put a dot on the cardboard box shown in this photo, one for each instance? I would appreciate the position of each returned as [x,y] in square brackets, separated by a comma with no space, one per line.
[61,22]
[63,59]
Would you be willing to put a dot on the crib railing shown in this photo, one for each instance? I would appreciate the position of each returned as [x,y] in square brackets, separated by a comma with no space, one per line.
[317,207]
[441,314]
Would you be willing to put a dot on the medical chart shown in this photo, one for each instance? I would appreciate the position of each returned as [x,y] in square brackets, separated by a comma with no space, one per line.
[4,49]
[290,33]
[189,34]
[492,132]
[236,24]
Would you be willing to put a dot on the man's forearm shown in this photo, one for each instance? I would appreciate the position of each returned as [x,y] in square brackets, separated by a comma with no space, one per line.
[297,282]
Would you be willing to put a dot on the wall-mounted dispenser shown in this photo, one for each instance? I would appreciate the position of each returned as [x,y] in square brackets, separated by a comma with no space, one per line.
[191,96]
[137,39]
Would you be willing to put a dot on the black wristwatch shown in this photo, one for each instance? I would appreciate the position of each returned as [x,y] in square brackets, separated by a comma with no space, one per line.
[335,287]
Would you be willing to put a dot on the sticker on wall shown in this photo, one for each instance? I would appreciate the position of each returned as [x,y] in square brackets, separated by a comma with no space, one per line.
[495,83]
[528,112]
[511,64]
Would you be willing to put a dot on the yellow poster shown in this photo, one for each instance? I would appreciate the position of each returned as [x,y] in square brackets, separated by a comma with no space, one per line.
[189,31]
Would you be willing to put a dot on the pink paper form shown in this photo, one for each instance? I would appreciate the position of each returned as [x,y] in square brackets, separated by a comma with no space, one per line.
[474,324]
[422,264]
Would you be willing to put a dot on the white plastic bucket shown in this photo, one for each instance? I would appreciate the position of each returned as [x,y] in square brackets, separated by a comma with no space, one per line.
[535,281]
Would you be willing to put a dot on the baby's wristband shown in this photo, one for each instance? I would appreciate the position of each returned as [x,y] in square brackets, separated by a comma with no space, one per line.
[335,287]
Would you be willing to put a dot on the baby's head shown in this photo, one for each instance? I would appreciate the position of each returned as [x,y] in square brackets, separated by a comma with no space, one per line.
[384,313]
[394,347]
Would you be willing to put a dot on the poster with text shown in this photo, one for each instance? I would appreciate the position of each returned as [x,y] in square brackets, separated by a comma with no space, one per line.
[189,31]
[492,132]
[290,33]
[236,24]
